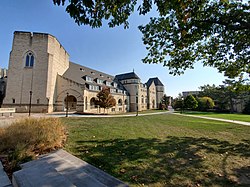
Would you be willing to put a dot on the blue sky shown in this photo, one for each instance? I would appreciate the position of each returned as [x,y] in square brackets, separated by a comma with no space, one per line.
[111,50]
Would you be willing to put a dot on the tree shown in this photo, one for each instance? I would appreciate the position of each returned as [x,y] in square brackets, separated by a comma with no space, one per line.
[205,103]
[247,108]
[215,33]
[164,102]
[177,104]
[105,99]
[190,102]
[226,96]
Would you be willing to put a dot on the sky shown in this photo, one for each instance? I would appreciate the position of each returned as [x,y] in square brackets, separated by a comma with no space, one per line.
[110,50]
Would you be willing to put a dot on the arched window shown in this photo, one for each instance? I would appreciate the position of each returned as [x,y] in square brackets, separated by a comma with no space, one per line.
[119,102]
[92,102]
[142,99]
[30,60]
[125,102]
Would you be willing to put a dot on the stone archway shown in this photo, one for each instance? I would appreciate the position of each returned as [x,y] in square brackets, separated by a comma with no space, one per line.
[71,101]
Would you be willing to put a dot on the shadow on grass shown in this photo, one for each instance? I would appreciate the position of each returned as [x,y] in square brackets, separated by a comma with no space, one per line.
[176,161]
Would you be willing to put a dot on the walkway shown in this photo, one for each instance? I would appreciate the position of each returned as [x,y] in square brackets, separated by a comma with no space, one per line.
[216,119]
[61,169]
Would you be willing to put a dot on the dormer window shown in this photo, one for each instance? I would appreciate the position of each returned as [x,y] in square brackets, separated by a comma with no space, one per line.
[108,83]
[82,69]
[115,84]
[89,79]
[99,81]
[93,73]
[29,60]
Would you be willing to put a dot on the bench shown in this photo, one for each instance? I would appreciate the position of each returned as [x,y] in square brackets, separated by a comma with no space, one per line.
[7,110]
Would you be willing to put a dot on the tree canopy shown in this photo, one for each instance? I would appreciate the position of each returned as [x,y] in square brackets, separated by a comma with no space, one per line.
[105,99]
[190,102]
[214,32]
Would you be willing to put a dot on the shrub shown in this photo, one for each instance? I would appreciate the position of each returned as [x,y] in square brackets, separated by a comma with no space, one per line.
[27,138]
[205,103]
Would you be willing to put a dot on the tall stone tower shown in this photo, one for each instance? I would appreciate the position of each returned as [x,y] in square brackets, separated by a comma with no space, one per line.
[35,61]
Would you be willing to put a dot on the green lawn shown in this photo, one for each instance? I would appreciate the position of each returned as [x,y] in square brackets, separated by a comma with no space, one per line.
[237,117]
[163,150]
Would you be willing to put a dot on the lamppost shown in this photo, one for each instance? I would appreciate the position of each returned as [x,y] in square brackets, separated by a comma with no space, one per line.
[30,102]
[182,104]
[67,104]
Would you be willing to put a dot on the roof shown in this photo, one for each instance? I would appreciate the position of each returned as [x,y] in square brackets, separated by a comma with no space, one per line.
[156,81]
[124,76]
[77,73]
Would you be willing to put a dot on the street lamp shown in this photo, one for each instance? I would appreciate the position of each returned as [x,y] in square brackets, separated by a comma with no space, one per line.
[30,102]
[67,104]
[182,104]
[136,104]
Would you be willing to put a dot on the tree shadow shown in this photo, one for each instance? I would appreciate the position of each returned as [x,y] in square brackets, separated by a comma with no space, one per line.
[176,161]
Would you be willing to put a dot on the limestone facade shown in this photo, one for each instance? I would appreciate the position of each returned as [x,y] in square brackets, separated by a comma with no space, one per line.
[40,75]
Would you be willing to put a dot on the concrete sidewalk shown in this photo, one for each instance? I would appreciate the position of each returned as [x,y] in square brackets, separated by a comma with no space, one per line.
[216,119]
[61,169]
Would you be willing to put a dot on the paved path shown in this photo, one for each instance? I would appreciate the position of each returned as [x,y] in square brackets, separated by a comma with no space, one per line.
[216,119]
[61,169]
[106,116]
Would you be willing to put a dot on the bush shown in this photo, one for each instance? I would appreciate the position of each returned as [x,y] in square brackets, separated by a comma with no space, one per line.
[27,138]
[205,103]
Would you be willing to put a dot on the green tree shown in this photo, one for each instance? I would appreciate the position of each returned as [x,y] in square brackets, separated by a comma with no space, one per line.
[105,99]
[190,102]
[205,103]
[164,102]
[215,33]
[178,103]
[226,96]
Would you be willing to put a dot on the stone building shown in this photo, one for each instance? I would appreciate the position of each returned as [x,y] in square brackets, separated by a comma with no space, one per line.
[41,74]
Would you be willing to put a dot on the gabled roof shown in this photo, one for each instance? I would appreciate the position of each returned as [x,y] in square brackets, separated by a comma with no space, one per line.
[125,76]
[78,73]
[155,80]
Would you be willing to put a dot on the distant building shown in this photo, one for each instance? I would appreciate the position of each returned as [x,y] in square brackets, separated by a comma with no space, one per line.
[194,93]
[40,72]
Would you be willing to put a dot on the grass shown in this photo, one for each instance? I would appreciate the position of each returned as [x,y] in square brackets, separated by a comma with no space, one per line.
[26,139]
[163,150]
[237,117]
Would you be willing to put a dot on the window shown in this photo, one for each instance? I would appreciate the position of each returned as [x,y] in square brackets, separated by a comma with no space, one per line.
[120,91]
[108,83]
[142,99]
[115,84]
[95,88]
[99,81]
[126,102]
[113,90]
[13,101]
[29,61]
[120,102]
[38,101]
[92,103]
[89,79]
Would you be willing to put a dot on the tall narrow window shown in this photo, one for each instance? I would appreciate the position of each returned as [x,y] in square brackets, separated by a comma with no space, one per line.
[29,62]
